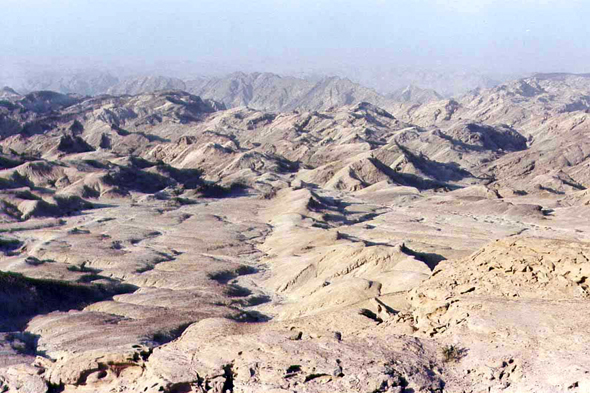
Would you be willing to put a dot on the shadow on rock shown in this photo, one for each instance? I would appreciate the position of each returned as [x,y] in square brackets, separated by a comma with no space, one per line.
[22,298]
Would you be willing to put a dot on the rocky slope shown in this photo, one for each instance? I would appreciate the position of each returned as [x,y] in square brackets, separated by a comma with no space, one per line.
[263,91]
[415,94]
[146,84]
[550,110]
[447,82]
[384,80]
[271,92]
[85,83]
[170,244]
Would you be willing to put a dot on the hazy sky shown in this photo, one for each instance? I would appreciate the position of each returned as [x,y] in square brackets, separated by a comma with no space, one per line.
[290,35]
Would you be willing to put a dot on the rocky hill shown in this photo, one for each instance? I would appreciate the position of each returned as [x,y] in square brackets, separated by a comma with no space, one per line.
[550,110]
[383,79]
[8,94]
[447,82]
[85,83]
[146,84]
[271,92]
[303,240]
[263,91]
[415,94]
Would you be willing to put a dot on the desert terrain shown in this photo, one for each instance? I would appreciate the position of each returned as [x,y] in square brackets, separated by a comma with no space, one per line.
[259,234]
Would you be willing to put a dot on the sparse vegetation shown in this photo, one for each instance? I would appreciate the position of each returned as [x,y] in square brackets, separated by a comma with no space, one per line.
[247,316]
[235,290]
[451,353]
[78,231]
[82,268]
[251,301]
[244,270]
[224,276]
[214,190]
[9,244]
[33,261]
[90,277]
[116,245]
[23,342]
[179,201]
[314,376]
[295,368]
[269,194]
[145,268]
[21,297]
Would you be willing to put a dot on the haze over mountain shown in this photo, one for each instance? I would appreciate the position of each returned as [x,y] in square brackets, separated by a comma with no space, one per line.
[264,91]
[451,47]
[93,82]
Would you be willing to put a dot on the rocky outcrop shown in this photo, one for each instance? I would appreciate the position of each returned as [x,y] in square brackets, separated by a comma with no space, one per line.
[502,294]
[271,92]
[415,94]
[147,84]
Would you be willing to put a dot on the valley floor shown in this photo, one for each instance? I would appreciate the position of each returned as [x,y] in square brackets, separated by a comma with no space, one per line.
[311,290]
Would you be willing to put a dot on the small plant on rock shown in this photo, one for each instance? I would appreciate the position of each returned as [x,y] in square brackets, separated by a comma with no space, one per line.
[452,353]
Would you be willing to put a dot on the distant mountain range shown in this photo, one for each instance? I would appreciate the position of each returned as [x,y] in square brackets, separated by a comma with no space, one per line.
[266,91]
[263,91]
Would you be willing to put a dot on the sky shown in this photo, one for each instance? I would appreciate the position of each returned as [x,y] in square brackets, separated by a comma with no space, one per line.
[290,36]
